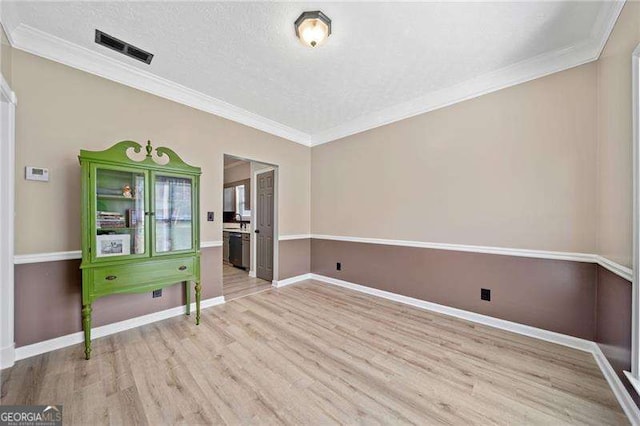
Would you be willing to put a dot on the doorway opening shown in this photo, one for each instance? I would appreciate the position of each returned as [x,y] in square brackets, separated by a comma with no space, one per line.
[249,243]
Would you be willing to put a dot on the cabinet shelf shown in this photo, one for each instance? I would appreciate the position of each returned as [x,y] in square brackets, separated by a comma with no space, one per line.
[115,197]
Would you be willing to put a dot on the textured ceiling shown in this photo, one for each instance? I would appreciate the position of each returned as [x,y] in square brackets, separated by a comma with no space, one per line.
[379,55]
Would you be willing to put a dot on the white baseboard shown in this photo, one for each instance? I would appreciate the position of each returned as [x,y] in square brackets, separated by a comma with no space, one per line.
[7,356]
[252,274]
[550,336]
[624,399]
[617,387]
[106,330]
[292,280]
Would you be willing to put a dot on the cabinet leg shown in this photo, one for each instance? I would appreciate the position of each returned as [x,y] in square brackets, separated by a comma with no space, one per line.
[187,289]
[198,288]
[86,326]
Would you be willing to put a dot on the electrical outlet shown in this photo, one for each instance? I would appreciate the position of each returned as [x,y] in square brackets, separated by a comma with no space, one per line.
[485,294]
[156,293]
[210,216]
[338,266]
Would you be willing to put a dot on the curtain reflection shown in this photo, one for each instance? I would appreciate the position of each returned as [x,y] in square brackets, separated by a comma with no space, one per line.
[173,213]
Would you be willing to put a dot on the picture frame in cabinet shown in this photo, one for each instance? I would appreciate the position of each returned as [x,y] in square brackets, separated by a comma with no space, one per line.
[113,245]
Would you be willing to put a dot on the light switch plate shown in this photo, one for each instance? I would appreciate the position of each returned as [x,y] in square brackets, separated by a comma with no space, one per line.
[37,173]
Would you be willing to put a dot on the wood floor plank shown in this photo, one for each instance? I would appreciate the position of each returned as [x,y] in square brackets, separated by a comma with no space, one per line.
[237,283]
[316,354]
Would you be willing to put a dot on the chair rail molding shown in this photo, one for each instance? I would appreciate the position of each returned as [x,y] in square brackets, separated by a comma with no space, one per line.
[608,264]
[21,259]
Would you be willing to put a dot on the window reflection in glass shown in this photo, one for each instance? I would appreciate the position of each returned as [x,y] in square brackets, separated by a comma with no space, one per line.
[173,208]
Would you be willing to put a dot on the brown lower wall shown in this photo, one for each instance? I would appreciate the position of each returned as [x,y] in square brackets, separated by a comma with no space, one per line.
[48,298]
[613,323]
[294,258]
[553,295]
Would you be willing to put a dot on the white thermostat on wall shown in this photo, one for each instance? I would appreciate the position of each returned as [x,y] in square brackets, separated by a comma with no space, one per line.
[37,173]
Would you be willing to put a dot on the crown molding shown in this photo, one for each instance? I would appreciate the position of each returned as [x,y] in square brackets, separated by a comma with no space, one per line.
[235,164]
[42,44]
[59,50]
[527,70]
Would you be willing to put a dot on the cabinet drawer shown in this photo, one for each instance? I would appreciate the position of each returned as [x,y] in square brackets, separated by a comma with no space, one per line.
[114,278]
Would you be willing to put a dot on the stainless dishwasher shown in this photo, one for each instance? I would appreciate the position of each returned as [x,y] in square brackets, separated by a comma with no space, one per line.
[235,249]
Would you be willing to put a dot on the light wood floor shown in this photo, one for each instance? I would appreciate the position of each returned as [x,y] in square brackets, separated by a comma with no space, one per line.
[237,283]
[316,354]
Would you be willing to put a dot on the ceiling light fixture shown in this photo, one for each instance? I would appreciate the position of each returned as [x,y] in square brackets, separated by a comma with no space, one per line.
[313,28]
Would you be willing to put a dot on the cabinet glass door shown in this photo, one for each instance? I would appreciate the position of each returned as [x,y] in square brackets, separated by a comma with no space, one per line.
[173,210]
[119,212]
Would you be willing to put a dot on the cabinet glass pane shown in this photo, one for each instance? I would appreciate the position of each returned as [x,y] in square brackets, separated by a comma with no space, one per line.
[119,213]
[173,206]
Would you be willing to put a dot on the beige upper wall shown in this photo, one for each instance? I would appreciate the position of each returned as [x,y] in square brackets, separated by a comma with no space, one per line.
[512,168]
[515,168]
[615,139]
[62,110]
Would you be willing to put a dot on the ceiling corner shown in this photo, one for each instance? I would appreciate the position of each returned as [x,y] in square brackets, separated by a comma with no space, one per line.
[603,27]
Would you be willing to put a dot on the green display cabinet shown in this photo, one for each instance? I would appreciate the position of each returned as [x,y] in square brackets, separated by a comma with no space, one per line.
[140,225]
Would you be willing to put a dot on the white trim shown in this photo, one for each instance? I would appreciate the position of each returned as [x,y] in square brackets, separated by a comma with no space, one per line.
[617,387]
[634,382]
[20,259]
[614,267]
[56,49]
[48,46]
[620,392]
[106,330]
[6,91]
[292,280]
[542,254]
[207,244]
[635,292]
[47,257]
[7,356]
[8,102]
[294,237]
[526,330]
[527,70]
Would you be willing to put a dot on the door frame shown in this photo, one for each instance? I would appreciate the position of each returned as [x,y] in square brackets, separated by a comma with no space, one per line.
[634,374]
[276,211]
[8,102]
[254,209]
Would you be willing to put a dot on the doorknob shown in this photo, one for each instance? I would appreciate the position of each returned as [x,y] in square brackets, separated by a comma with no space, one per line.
[257,231]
